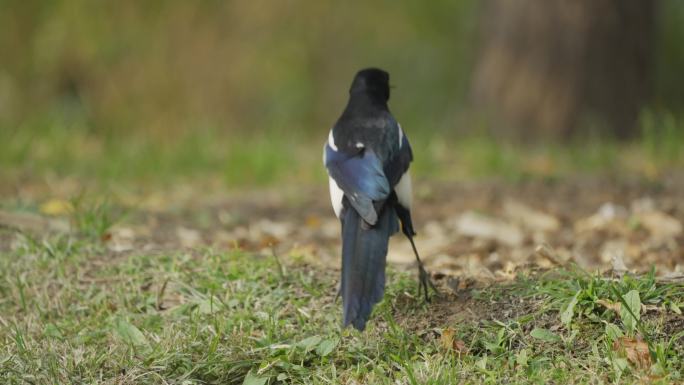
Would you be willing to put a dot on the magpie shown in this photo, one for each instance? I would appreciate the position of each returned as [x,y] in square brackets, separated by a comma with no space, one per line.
[367,157]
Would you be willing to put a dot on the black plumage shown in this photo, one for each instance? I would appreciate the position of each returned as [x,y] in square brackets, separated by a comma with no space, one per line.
[367,157]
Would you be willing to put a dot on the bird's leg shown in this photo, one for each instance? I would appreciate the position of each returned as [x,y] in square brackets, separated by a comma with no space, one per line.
[423,276]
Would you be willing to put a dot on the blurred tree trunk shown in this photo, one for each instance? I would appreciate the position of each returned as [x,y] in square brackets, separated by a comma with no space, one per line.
[547,67]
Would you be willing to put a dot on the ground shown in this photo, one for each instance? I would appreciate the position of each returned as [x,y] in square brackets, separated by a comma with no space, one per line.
[573,280]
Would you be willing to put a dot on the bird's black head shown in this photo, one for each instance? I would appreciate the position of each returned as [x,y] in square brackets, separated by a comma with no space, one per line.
[373,82]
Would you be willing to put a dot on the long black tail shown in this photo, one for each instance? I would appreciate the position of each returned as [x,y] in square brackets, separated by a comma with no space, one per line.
[364,251]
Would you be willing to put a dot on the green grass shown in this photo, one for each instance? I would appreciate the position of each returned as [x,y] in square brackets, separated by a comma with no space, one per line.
[73,312]
[56,151]
[35,153]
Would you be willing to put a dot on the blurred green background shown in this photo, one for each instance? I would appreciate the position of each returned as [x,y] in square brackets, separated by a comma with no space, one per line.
[245,91]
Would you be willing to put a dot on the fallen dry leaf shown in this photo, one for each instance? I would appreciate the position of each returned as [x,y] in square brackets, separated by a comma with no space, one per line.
[614,306]
[672,277]
[32,222]
[276,229]
[609,216]
[268,240]
[617,259]
[305,252]
[476,225]
[530,218]
[617,306]
[660,225]
[549,253]
[652,308]
[635,349]
[188,237]
[642,205]
[313,221]
[56,207]
[448,341]
[120,239]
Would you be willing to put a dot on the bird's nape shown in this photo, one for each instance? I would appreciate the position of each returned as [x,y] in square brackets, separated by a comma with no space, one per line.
[373,81]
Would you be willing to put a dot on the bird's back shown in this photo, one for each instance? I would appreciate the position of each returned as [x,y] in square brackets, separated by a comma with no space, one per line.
[368,127]
[366,155]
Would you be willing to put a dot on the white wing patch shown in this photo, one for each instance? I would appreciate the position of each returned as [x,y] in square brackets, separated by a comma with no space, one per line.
[336,195]
[404,190]
[331,141]
[401,134]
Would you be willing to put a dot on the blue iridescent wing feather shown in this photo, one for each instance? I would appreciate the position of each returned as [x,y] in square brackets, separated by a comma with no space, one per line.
[361,177]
